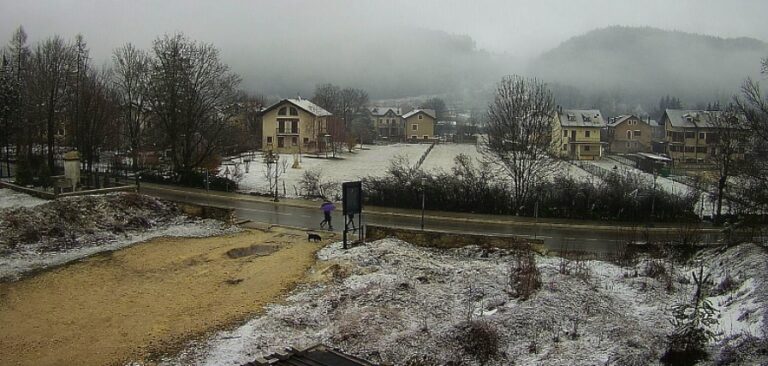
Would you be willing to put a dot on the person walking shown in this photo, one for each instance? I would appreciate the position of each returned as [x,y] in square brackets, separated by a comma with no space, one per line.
[327,208]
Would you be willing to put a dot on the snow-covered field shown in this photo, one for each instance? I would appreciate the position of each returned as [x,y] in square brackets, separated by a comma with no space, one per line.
[11,198]
[394,303]
[373,160]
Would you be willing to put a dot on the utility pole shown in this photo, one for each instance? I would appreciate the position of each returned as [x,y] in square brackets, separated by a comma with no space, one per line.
[423,199]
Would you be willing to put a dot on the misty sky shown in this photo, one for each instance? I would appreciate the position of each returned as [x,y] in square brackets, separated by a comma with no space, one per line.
[522,28]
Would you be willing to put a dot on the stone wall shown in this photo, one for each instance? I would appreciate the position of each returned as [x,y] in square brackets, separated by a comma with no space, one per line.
[445,240]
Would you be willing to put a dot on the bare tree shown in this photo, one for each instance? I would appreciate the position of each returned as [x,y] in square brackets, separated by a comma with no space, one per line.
[131,74]
[728,151]
[9,107]
[50,71]
[18,58]
[344,103]
[753,104]
[519,135]
[191,94]
[438,105]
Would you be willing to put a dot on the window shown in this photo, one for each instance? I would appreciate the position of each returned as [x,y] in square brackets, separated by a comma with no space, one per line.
[414,137]
[282,111]
[701,149]
[421,117]
[269,139]
[294,112]
[586,133]
[690,135]
[306,140]
[565,146]
[280,141]
[414,127]
[701,135]
[586,147]
[629,135]
[426,137]
[637,133]
[565,133]
[294,141]
[689,149]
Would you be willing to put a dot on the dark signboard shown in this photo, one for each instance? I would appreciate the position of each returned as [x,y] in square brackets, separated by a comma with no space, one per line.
[352,197]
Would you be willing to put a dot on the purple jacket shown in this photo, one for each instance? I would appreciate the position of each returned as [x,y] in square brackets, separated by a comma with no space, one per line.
[327,207]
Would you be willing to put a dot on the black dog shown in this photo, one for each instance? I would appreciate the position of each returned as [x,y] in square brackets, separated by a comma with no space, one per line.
[313,237]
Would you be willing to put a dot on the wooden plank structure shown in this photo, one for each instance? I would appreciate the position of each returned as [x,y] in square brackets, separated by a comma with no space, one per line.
[318,355]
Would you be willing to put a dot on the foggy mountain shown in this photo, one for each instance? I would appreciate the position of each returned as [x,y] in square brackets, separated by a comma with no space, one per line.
[643,64]
[386,63]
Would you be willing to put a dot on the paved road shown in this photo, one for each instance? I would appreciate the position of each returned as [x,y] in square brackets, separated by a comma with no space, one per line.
[593,238]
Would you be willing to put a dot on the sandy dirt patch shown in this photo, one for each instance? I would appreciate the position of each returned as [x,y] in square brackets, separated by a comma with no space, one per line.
[148,299]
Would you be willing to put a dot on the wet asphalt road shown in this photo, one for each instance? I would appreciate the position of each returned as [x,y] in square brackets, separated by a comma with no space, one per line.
[603,239]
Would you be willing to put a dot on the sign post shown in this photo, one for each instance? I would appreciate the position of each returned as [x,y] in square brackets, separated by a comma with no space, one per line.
[352,204]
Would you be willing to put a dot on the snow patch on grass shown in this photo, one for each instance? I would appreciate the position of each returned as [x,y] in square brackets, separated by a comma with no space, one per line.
[10,198]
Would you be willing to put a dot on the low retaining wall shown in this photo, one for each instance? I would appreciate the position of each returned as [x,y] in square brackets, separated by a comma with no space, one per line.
[208,212]
[446,240]
[51,195]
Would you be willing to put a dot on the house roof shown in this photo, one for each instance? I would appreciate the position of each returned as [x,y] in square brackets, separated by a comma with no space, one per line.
[581,118]
[319,355]
[380,111]
[304,104]
[620,119]
[429,112]
[688,118]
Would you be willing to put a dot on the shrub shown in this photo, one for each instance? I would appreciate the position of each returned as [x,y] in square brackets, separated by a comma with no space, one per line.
[524,276]
[479,339]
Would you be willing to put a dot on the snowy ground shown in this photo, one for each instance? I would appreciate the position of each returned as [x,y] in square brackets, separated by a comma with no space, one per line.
[56,232]
[373,160]
[391,303]
[11,198]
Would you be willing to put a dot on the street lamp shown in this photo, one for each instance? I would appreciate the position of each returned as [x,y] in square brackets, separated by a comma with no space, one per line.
[423,199]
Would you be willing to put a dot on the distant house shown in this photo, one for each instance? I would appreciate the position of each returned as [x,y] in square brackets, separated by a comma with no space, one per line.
[629,134]
[576,133]
[420,124]
[388,122]
[294,125]
[690,135]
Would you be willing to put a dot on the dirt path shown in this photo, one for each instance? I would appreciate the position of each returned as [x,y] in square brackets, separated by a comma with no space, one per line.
[146,299]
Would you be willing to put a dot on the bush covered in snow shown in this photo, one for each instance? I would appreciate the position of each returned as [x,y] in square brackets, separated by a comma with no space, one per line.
[476,187]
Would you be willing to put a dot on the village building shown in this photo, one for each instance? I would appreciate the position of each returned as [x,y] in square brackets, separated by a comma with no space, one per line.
[294,125]
[388,122]
[629,134]
[420,124]
[576,134]
[691,136]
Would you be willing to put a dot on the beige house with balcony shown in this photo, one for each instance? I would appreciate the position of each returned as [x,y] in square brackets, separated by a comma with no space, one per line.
[691,135]
[576,134]
[388,122]
[294,125]
[420,124]
[629,134]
